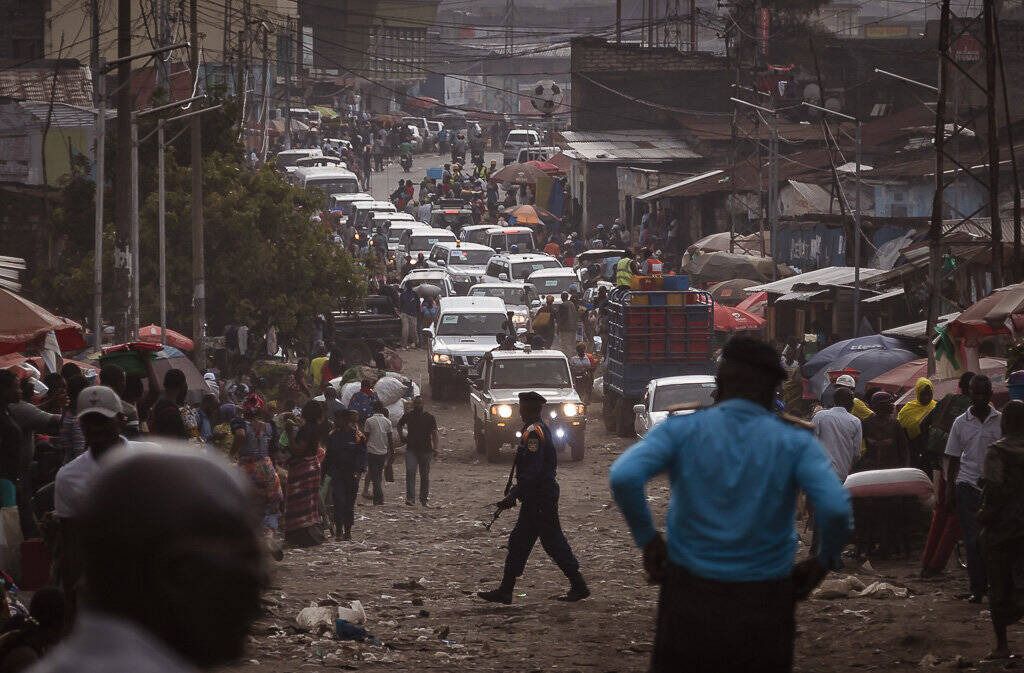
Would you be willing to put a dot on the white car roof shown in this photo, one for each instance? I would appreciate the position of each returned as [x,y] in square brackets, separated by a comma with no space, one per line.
[492,229]
[517,284]
[554,272]
[352,197]
[527,257]
[376,205]
[394,215]
[436,230]
[464,245]
[517,354]
[319,171]
[476,304]
[305,152]
[677,380]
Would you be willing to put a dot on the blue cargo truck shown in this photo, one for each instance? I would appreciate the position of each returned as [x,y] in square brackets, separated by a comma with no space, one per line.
[653,334]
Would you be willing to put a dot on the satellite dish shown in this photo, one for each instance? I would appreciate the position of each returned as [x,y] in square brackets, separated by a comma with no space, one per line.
[547,96]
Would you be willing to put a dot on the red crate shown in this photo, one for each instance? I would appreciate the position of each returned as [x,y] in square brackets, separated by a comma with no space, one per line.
[657,320]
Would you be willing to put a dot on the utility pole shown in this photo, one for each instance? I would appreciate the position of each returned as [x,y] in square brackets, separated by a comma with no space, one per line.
[290,58]
[198,234]
[993,142]
[935,228]
[693,25]
[97,267]
[94,51]
[133,324]
[1018,263]
[650,23]
[266,94]
[123,167]
[773,176]
[618,21]
[510,20]
[161,233]
[227,37]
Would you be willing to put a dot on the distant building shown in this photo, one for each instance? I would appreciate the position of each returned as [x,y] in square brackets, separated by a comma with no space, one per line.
[21,29]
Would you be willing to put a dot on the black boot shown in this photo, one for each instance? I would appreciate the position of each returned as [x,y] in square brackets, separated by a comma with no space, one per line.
[503,594]
[578,589]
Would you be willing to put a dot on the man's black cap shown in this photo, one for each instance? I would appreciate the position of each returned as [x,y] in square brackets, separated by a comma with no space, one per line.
[531,399]
[754,353]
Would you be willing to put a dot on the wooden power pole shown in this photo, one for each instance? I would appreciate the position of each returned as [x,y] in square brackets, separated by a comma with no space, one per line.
[198,235]
[935,227]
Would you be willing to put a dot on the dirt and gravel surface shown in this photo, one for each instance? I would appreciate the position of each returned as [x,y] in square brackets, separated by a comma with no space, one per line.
[416,572]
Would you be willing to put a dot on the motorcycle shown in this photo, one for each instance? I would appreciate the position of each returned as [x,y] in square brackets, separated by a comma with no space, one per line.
[406,162]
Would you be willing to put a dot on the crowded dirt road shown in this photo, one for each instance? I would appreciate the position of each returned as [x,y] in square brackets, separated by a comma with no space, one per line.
[416,572]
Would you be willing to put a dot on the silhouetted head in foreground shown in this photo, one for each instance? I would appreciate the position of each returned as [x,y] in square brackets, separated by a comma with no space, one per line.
[171,542]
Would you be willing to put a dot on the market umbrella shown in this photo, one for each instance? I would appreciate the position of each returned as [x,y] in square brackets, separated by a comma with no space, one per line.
[902,378]
[868,356]
[731,292]
[525,215]
[520,174]
[754,304]
[546,166]
[171,358]
[719,242]
[22,323]
[151,333]
[999,313]
[732,319]
[717,266]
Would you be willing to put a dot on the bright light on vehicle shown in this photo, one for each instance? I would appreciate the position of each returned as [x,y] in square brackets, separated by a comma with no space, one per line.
[442,359]
[518,319]
[502,410]
[560,433]
[571,409]
[554,414]
[519,435]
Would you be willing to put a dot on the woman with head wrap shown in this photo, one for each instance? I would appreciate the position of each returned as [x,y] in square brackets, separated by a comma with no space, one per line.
[880,526]
[915,419]
[252,441]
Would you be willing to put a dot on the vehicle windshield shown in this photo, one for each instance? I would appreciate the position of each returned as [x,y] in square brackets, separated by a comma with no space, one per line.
[530,373]
[512,296]
[427,241]
[413,283]
[556,285]
[395,234]
[455,220]
[471,324]
[475,257]
[666,396]
[522,270]
[336,185]
[520,137]
[523,241]
[477,236]
[284,160]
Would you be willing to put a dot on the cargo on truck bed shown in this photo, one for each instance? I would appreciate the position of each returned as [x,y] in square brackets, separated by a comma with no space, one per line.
[652,334]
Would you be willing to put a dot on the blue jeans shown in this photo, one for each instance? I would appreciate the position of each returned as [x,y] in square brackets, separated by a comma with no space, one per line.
[968,502]
[414,461]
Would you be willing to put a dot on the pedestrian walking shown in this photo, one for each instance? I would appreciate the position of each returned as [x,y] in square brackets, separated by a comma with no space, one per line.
[1002,525]
[420,448]
[345,463]
[972,433]
[409,303]
[915,419]
[380,449]
[536,488]
[944,531]
[882,522]
[728,580]
[303,523]
[839,432]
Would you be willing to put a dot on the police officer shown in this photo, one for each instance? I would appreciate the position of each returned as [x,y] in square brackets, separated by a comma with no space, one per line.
[537,489]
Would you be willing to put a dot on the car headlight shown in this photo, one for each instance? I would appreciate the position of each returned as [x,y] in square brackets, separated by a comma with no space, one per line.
[571,409]
[502,410]
[519,319]
[442,359]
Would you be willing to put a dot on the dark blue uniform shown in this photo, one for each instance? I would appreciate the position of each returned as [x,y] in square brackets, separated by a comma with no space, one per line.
[537,490]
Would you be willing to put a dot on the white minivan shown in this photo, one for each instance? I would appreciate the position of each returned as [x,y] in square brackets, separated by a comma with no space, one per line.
[328,179]
[518,139]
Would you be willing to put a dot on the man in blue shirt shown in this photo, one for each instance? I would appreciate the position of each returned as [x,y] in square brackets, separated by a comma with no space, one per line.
[727,573]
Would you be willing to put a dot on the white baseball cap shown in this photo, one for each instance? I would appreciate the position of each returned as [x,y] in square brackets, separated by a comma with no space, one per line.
[99,400]
[846,381]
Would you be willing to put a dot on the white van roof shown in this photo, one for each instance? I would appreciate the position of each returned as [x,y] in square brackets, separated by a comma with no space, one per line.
[375,205]
[474,304]
[309,172]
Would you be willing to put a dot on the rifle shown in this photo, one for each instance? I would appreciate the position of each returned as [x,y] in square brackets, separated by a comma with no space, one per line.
[508,487]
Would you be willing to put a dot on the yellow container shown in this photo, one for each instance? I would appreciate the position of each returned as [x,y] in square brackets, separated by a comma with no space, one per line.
[675,299]
[634,282]
[639,300]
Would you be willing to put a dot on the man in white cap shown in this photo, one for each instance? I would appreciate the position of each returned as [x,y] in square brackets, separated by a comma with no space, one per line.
[101,416]
[861,410]
[210,384]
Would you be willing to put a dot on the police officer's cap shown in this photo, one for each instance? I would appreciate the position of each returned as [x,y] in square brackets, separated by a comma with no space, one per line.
[754,353]
[531,399]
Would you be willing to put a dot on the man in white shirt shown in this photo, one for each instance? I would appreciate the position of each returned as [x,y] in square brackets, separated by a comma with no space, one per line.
[969,438]
[840,432]
[380,449]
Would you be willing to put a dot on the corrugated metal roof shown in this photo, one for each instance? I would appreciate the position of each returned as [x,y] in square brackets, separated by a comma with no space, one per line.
[915,330]
[63,115]
[668,190]
[891,294]
[635,146]
[801,296]
[831,276]
[73,86]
